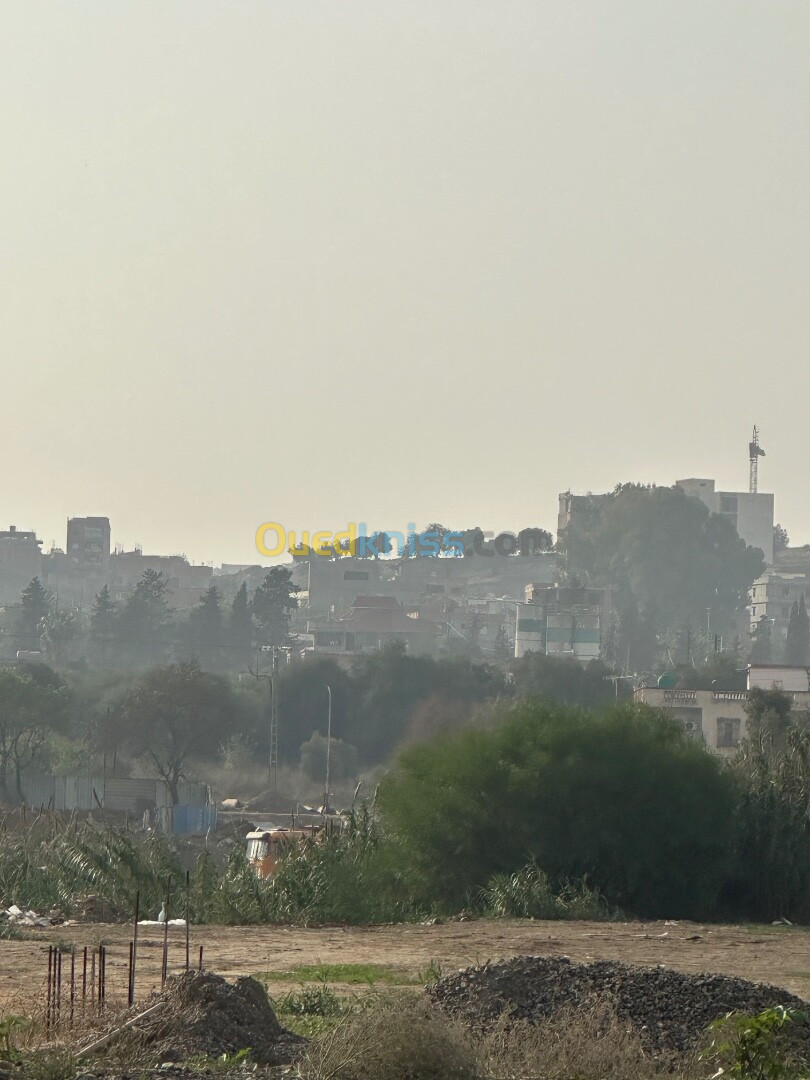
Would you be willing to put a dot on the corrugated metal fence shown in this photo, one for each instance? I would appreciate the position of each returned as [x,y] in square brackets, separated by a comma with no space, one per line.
[135,796]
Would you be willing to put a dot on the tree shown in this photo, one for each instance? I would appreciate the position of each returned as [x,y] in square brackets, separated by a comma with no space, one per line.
[781,540]
[797,645]
[205,620]
[145,616]
[562,680]
[102,617]
[240,624]
[342,759]
[761,646]
[390,684]
[771,874]
[303,703]
[36,604]
[59,630]
[32,703]
[532,541]
[666,558]
[173,714]
[273,604]
[623,796]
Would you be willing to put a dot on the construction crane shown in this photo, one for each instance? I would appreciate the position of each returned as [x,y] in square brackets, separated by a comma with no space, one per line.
[755,452]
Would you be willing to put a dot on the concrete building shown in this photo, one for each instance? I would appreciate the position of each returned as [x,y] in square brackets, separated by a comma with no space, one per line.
[88,543]
[185,581]
[561,621]
[718,717]
[20,561]
[750,514]
[772,596]
[371,623]
[715,716]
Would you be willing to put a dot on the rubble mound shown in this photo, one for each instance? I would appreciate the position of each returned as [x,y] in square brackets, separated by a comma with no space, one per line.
[201,1014]
[669,1009]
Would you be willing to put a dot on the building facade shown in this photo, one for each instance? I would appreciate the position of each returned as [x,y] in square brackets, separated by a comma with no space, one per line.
[750,514]
[562,621]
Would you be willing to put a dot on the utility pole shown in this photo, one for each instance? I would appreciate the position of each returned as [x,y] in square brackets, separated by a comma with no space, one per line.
[273,761]
[328,751]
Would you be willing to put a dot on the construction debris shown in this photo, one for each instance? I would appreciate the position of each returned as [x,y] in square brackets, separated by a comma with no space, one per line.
[669,1009]
[202,1015]
[17,917]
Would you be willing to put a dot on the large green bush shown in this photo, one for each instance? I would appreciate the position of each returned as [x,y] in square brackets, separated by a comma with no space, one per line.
[622,797]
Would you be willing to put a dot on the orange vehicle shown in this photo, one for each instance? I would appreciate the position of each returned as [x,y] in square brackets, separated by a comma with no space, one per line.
[264,847]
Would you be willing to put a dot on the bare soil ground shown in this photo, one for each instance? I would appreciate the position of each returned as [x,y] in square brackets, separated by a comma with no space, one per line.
[778,955]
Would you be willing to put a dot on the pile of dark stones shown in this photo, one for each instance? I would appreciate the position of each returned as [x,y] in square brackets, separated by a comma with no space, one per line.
[670,1010]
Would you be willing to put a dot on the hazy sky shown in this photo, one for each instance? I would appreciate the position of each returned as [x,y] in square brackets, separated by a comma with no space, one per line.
[320,261]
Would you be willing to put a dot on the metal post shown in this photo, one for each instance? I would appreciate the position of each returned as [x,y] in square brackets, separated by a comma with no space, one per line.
[72,982]
[165,968]
[93,976]
[58,983]
[50,988]
[201,958]
[131,991]
[328,751]
[188,906]
[84,978]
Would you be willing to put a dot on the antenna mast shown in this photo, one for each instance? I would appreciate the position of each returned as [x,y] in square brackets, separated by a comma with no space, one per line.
[755,452]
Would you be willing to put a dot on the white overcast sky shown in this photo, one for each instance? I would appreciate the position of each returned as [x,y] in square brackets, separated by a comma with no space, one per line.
[320,261]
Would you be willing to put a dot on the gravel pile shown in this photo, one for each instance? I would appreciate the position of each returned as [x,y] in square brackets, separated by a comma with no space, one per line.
[669,1009]
[203,1015]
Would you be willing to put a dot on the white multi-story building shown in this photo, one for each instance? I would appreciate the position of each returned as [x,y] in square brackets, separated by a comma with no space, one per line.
[750,514]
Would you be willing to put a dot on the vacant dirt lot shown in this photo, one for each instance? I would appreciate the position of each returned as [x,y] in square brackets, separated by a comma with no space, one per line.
[779,955]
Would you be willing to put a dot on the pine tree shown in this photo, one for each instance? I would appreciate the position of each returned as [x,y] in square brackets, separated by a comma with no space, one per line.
[206,619]
[36,603]
[241,620]
[797,645]
[273,603]
[761,642]
[102,617]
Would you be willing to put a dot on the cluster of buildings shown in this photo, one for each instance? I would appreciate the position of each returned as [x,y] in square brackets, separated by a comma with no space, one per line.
[489,604]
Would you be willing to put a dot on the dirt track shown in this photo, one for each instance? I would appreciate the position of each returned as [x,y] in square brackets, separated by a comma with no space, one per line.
[779,955]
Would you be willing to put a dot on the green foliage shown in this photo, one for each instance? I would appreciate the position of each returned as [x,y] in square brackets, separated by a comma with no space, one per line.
[273,604]
[310,1001]
[750,1047]
[622,797]
[528,894]
[797,644]
[389,685]
[11,1026]
[770,877]
[40,870]
[342,756]
[348,877]
[174,713]
[665,557]
[33,704]
[562,680]
[36,603]
[351,974]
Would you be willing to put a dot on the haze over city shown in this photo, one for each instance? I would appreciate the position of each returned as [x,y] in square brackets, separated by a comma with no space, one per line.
[320,263]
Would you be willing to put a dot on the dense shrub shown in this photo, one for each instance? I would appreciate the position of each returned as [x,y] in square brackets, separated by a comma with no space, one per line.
[623,797]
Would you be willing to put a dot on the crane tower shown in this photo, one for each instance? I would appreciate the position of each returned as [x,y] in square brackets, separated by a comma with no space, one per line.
[755,452]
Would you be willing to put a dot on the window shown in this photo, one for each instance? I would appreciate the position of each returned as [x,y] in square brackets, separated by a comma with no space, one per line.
[728,732]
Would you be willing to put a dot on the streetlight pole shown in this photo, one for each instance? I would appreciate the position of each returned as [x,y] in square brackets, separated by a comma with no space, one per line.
[328,750]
